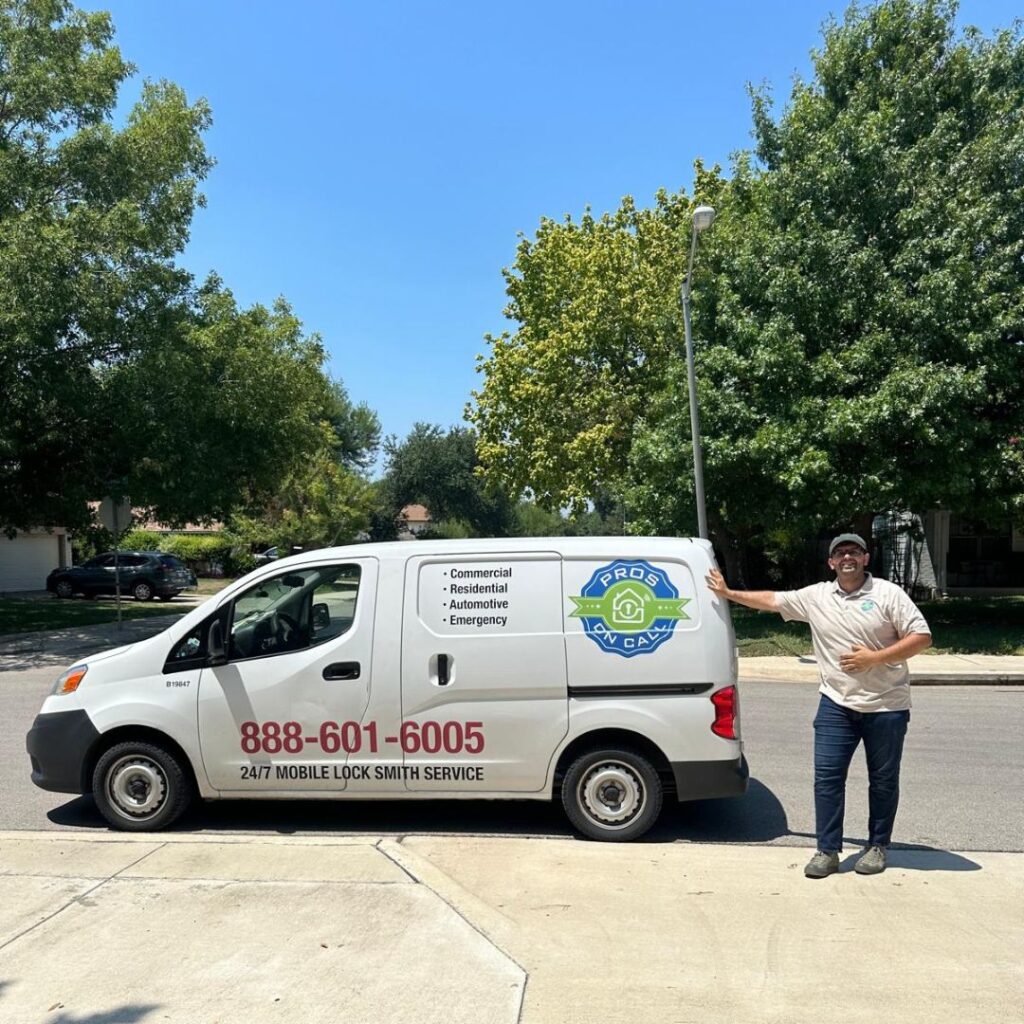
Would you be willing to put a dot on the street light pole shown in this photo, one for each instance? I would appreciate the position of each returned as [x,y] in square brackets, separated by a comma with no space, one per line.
[703,217]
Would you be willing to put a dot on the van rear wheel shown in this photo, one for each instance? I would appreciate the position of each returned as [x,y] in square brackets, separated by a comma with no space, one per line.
[141,787]
[612,795]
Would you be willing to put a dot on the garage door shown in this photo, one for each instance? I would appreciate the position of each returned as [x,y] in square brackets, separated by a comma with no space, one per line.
[26,561]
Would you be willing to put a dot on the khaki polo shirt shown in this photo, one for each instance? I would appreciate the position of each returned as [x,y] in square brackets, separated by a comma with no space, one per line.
[875,616]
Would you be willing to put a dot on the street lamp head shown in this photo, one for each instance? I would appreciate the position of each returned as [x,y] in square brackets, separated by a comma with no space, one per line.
[703,218]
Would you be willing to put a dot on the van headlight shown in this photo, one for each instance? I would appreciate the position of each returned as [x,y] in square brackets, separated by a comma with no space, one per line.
[70,681]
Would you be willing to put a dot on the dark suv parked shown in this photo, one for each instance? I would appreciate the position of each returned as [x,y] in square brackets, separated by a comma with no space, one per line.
[143,574]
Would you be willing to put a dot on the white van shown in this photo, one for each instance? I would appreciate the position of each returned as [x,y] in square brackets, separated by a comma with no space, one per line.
[597,670]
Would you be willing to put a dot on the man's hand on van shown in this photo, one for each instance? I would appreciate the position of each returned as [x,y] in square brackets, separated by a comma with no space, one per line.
[762,600]
[717,585]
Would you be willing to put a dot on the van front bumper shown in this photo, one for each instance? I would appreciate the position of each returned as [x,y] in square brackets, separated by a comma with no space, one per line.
[57,745]
[709,780]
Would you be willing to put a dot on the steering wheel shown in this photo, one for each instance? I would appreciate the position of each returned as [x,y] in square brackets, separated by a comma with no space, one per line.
[291,628]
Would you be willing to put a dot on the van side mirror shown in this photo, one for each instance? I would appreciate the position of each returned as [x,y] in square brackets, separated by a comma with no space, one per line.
[215,646]
[321,617]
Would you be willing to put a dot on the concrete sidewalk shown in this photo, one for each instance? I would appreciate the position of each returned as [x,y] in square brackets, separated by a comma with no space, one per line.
[925,669]
[242,930]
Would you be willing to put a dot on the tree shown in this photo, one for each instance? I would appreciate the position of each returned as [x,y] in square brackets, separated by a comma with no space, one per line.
[90,220]
[863,314]
[320,504]
[596,302]
[223,412]
[439,470]
[858,308]
[356,429]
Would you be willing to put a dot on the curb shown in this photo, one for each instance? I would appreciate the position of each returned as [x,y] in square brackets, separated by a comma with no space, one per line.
[966,679]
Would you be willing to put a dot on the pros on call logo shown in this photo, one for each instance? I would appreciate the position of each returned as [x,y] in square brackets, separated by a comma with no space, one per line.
[629,607]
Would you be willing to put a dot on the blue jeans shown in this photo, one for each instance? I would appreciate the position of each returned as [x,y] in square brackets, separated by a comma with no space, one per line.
[837,731]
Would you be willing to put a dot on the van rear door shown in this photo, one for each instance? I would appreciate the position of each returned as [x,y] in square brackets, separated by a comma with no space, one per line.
[484,699]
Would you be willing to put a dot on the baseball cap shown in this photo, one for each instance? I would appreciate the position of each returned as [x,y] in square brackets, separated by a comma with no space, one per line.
[846,538]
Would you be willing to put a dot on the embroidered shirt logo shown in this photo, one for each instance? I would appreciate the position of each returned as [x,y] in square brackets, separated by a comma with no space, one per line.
[867,606]
[629,607]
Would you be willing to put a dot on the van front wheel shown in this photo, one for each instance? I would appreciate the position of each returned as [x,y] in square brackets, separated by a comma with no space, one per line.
[612,795]
[140,787]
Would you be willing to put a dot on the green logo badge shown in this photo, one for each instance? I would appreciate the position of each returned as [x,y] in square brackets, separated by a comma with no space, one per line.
[629,608]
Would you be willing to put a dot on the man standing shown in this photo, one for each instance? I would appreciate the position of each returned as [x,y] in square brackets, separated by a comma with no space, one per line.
[863,631]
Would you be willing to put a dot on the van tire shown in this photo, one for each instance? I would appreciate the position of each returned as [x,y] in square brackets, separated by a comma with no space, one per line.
[612,795]
[141,787]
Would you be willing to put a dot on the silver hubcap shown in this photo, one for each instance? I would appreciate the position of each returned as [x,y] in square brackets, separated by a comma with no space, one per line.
[137,787]
[63,589]
[612,794]
[142,592]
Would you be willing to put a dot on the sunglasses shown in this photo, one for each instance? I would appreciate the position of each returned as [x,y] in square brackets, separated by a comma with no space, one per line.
[848,552]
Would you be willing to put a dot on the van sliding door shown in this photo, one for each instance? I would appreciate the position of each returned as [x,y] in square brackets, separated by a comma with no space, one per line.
[484,700]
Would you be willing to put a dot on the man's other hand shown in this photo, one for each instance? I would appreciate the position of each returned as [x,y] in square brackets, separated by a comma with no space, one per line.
[859,659]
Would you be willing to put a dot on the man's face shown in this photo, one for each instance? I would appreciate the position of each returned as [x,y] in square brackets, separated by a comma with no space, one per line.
[848,561]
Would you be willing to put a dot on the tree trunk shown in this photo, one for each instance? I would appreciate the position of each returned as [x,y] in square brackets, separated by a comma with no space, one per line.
[733,551]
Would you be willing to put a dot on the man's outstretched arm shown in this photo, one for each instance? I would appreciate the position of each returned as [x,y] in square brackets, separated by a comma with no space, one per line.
[762,600]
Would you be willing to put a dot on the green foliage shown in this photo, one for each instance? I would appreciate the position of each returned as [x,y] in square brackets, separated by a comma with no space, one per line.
[320,504]
[596,303]
[356,429]
[439,470]
[533,521]
[90,219]
[142,540]
[858,309]
[215,414]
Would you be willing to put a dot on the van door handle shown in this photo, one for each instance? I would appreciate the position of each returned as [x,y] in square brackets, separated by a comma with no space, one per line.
[443,676]
[342,670]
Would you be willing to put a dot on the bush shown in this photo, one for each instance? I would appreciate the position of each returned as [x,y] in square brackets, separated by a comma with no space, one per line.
[141,540]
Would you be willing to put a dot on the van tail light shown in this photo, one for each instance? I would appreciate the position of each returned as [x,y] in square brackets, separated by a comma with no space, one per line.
[727,707]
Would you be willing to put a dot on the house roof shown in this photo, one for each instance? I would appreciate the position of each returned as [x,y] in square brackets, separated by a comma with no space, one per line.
[415,514]
[153,526]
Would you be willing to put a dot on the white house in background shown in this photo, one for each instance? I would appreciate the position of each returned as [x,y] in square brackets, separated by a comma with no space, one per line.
[941,553]
[412,521]
[27,558]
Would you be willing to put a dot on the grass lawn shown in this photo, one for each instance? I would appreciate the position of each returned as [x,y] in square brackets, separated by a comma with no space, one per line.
[960,625]
[207,587]
[26,615]
[32,614]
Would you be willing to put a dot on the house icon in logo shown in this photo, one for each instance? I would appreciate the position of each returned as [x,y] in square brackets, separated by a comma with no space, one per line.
[628,606]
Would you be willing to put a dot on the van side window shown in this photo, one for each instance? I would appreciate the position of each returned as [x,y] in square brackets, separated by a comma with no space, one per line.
[294,610]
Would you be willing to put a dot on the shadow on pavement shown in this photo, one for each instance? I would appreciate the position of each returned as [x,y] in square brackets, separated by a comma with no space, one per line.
[756,817]
[122,1015]
[909,856]
[129,1014]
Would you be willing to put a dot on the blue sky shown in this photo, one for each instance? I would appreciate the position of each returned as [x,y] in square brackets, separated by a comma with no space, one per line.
[376,162]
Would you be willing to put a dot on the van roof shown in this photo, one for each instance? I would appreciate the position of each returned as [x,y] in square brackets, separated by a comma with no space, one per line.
[579,547]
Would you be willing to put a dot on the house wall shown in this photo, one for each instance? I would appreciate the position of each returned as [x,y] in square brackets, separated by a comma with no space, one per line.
[26,560]
[972,558]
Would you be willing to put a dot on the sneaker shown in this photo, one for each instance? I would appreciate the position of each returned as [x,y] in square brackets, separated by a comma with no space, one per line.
[822,864]
[871,861]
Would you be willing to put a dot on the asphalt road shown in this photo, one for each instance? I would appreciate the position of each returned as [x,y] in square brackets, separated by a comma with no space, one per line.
[962,769]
